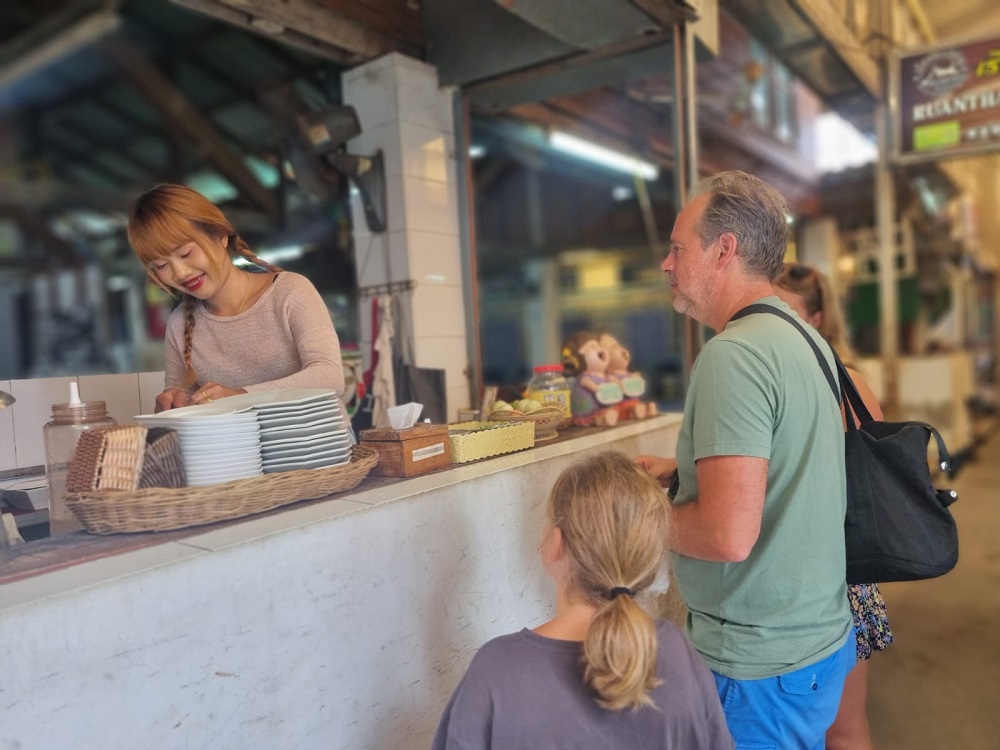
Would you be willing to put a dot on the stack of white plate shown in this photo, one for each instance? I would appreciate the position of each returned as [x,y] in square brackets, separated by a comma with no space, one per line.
[216,448]
[303,430]
[243,436]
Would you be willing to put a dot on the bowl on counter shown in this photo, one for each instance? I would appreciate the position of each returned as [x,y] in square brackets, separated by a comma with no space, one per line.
[546,420]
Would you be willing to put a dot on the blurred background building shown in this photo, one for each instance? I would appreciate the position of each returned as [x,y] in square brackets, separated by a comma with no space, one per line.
[100,100]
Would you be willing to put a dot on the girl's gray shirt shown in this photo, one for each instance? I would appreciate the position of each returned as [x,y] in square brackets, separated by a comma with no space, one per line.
[525,692]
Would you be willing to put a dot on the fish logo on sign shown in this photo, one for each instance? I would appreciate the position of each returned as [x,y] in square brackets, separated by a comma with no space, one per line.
[940,72]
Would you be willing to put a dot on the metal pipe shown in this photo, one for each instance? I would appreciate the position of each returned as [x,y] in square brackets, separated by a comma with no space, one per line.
[682,142]
[465,190]
[885,216]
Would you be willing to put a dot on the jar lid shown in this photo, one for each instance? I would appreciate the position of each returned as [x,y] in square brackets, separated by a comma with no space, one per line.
[549,368]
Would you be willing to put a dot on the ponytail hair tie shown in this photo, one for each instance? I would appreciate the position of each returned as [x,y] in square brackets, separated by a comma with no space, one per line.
[620,590]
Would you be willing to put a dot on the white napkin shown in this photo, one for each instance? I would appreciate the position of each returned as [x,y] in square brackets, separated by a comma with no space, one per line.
[404,416]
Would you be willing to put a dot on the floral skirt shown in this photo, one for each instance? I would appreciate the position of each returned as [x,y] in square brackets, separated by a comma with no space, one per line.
[870,620]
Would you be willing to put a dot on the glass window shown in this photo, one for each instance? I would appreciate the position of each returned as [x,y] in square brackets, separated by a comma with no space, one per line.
[785,122]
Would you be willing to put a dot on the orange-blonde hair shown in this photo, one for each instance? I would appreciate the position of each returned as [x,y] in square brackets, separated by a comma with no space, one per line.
[816,293]
[613,519]
[169,216]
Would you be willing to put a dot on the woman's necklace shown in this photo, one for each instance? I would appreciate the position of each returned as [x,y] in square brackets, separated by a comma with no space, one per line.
[244,295]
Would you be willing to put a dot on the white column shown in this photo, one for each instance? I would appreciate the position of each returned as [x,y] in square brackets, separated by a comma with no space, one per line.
[404,112]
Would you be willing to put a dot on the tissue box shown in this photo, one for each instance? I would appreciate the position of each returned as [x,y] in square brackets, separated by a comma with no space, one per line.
[407,453]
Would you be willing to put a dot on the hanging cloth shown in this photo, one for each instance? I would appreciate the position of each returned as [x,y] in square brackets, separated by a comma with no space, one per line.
[422,385]
[383,378]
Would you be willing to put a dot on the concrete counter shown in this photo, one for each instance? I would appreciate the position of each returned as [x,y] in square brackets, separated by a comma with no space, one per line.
[343,623]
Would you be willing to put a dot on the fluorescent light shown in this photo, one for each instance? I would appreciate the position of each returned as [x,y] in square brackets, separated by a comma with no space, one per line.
[67,41]
[604,156]
[477,151]
[280,254]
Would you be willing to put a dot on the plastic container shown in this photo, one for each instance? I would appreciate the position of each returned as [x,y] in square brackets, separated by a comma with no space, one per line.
[69,421]
[550,388]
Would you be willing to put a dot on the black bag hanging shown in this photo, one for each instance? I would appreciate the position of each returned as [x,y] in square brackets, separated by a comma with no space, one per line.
[898,526]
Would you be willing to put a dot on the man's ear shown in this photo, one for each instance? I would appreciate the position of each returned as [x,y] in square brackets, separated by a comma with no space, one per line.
[726,247]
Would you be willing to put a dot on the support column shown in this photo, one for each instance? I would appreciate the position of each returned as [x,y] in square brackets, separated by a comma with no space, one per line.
[404,112]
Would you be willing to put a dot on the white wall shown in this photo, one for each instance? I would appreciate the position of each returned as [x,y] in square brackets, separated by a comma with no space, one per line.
[344,624]
[21,444]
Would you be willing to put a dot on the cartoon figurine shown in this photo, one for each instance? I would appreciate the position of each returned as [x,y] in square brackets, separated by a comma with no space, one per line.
[632,383]
[594,398]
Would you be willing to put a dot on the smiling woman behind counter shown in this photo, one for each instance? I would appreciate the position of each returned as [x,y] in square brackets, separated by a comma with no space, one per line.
[236,331]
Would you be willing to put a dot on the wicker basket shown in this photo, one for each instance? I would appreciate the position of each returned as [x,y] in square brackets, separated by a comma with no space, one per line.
[471,441]
[163,509]
[163,464]
[546,420]
[109,458]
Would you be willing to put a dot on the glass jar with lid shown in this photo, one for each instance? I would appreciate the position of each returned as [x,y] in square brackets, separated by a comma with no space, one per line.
[550,388]
[69,421]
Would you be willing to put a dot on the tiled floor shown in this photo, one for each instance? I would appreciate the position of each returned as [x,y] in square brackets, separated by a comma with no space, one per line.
[935,688]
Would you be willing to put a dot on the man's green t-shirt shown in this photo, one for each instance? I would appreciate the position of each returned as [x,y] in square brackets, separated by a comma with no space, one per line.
[757,390]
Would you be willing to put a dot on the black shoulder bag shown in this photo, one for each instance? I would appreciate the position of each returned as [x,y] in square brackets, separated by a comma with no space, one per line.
[898,526]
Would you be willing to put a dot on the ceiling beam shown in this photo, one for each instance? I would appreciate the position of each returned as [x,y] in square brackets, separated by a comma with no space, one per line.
[315,29]
[666,12]
[400,20]
[183,116]
[73,154]
[567,62]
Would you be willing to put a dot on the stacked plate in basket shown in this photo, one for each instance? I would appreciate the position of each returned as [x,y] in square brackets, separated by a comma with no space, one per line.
[253,433]
[215,447]
[307,432]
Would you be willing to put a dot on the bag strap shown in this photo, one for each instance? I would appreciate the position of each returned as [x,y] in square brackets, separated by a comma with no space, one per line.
[847,394]
[824,365]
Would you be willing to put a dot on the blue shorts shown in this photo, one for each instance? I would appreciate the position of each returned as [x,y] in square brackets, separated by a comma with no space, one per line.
[791,711]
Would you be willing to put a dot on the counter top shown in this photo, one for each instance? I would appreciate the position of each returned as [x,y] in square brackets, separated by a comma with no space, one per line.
[47,567]
[341,622]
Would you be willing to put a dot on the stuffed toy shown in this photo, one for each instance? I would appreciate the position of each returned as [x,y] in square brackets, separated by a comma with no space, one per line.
[595,396]
[633,385]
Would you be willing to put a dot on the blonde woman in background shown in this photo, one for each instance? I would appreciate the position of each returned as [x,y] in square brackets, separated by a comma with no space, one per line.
[601,674]
[808,293]
[236,331]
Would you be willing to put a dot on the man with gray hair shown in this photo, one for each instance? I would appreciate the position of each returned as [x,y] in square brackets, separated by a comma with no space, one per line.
[758,514]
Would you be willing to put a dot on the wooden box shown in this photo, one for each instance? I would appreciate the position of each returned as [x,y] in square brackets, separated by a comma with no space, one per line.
[407,453]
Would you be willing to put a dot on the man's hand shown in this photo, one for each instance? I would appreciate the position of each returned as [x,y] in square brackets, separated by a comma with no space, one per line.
[661,469]
[171,398]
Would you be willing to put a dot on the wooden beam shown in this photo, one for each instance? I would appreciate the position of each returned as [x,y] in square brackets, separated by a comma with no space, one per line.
[568,62]
[666,12]
[288,37]
[319,23]
[184,117]
[48,135]
[398,19]
[73,154]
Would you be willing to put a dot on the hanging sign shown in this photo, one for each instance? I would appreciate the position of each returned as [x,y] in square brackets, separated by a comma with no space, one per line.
[947,101]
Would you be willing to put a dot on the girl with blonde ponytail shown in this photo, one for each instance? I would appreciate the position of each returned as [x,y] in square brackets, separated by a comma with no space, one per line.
[601,673]
[237,330]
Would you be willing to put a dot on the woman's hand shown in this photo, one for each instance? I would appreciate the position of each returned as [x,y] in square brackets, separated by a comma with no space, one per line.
[171,398]
[208,392]
[661,469]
